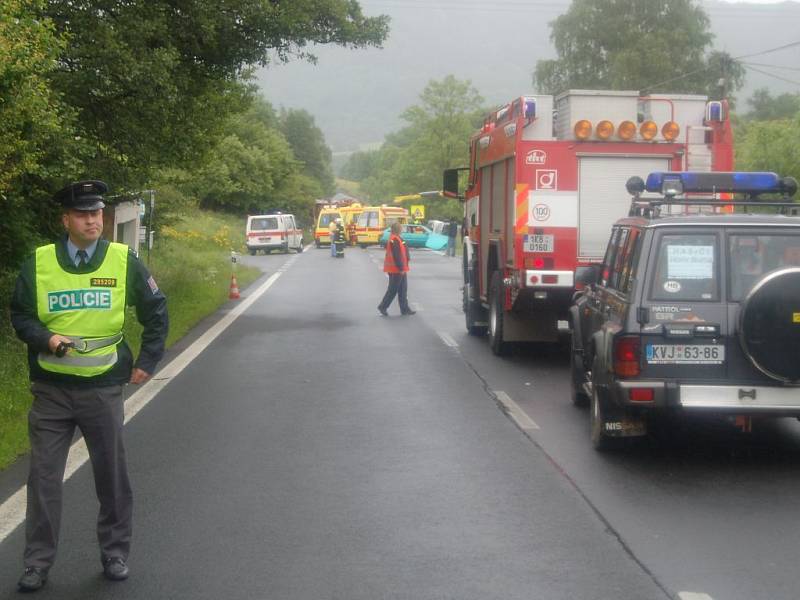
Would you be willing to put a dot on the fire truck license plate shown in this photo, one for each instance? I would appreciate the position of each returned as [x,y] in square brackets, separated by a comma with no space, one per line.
[679,354]
[538,243]
[265,239]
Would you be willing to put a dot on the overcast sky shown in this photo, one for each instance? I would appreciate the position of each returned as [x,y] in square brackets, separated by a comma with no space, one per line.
[357,96]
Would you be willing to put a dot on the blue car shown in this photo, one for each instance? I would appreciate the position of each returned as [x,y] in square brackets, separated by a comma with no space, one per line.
[415,236]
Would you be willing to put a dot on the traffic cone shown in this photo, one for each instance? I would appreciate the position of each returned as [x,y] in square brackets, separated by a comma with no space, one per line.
[234,293]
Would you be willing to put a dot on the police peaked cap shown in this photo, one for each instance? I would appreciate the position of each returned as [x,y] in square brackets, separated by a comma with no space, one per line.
[82,195]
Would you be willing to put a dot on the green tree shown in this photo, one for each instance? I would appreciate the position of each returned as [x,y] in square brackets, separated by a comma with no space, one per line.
[766,107]
[442,123]
[153,81]
[253,169]
[31,115]
[770,146]
[37,141]
[634,45]
[359,166]
[436,138]
[308,143]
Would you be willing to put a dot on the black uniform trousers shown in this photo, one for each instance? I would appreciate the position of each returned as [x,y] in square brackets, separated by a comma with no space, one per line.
[398,286]
[99,413]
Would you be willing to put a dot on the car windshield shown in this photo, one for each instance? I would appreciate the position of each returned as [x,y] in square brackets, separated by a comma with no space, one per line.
[264,223]
[752,256]
[326,218]
[686,268]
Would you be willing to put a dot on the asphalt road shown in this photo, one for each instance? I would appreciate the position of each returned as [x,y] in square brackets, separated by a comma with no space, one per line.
[316,450]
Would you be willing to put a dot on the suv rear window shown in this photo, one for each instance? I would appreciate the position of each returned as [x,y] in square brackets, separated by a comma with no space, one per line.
[687,268]
[264,224]
[752,256]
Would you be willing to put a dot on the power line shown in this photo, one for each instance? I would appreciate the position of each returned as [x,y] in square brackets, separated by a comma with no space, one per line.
[771,66]
[784,47]
[772,75]
[735,58]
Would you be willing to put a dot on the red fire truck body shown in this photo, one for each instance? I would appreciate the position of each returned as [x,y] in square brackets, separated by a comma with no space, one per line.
[546,185]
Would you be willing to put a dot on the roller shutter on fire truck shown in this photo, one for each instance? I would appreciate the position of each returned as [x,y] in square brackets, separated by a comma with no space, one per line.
[602,198]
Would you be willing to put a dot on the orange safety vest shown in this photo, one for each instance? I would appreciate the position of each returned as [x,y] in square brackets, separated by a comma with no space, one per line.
[388,261]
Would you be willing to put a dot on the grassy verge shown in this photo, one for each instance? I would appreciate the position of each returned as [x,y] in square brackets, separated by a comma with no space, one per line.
[190,262]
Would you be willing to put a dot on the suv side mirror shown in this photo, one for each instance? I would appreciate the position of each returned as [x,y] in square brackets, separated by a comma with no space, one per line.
[587,275]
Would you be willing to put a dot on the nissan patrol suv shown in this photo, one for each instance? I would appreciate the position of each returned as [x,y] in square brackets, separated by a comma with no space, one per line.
[696,306]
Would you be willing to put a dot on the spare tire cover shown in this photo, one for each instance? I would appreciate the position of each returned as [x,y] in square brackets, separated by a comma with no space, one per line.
[769,325]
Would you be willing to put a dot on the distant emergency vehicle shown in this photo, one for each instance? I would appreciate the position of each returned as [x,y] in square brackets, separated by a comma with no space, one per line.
[543,192]
[273,232]
[322,232]
[374,219]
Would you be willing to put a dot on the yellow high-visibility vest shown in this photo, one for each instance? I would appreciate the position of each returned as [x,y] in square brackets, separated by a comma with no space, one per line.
[89,308]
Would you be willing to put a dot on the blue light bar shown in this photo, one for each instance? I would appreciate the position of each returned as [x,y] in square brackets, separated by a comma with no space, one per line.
[694,182]
[714,111]
[530,108]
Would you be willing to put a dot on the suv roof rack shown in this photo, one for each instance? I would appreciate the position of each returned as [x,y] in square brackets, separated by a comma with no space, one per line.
[672,184]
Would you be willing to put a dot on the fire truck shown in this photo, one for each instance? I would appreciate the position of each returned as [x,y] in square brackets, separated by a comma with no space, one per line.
[546,180]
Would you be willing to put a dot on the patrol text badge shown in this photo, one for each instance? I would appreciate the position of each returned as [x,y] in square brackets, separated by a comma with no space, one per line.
[95,299]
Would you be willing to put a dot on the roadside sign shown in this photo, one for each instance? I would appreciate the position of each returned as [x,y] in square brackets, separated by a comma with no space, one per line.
[417,211]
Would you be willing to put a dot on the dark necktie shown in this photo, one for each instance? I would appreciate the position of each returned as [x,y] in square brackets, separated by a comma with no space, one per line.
[83,258]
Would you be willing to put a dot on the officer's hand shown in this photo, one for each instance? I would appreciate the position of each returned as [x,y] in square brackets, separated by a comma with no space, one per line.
[55,340]
[138,376]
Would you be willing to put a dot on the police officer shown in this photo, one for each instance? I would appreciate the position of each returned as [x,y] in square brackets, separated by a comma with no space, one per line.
[69,308]
[395,264]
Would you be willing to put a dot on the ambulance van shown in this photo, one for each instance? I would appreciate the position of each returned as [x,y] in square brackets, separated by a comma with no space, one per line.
[273,232]
[374,219]
[322,232]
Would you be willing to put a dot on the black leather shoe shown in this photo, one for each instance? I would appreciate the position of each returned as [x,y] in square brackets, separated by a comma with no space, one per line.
[383,311]
[409,312]
[115,569]
[33,579]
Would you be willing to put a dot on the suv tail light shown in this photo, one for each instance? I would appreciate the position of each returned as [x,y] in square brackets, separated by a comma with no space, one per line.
[626,356]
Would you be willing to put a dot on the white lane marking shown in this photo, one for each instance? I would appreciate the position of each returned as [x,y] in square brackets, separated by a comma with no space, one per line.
[448,341]
[520,417]
[12,511]
[694,596]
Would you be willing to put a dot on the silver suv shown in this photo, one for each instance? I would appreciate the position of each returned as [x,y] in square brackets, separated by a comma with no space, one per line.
[694,308]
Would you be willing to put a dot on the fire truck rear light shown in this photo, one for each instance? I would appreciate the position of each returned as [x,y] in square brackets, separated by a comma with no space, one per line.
[538,263]
[670,131]
[604,130]
[552,279]
[583,129]
[648,130]
[534,279]
[641,394]
[714,111]
[626,130]
[626,356]
[540,295]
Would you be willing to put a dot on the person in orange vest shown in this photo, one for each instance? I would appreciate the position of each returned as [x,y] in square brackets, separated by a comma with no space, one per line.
[395,264]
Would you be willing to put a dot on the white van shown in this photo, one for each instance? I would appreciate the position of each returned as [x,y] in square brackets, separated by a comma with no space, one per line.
[273,232]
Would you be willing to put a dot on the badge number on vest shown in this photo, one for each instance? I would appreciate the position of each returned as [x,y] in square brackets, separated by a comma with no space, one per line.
[96,299]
